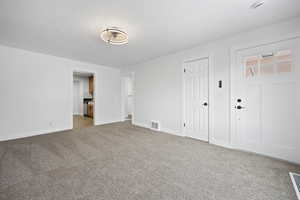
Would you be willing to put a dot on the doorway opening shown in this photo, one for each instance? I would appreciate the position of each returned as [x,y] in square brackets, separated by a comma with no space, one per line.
[83,99]
[128,97]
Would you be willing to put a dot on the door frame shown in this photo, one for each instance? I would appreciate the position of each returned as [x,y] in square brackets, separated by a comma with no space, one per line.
[208,56]
[78,82]
[233,143]
[130,75]
[94,74]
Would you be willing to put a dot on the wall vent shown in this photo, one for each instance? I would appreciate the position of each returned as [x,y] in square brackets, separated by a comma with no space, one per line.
[155,125]
[296,182]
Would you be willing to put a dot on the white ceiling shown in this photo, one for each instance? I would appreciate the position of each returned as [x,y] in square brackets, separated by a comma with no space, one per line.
[70,28]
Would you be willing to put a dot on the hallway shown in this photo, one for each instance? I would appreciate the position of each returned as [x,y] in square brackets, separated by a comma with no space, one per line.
[80,121]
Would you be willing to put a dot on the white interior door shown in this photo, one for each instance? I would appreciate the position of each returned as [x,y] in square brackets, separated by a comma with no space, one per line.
[196,99]
[266,100]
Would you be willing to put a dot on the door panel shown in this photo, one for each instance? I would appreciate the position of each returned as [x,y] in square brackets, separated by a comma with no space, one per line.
[266,79]
[279,125]
[196,99]
[249,124]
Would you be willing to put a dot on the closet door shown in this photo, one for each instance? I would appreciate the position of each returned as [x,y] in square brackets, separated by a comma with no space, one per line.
[196,99]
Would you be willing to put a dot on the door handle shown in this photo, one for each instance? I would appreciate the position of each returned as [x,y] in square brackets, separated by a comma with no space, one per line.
[239,107]
[205,104]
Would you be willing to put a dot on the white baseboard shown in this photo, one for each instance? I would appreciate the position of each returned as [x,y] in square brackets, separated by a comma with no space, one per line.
[164,130]
[169,131]
[139,124]
[107,122]
[220,143]
[33,133]
[42,132]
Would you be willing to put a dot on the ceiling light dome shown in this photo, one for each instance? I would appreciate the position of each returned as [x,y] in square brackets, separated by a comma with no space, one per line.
[257,4]
[114,35]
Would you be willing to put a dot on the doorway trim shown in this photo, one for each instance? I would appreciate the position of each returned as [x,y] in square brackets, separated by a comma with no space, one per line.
[94,74]
[233,55]
[78,91]
[208,56]
[130,75]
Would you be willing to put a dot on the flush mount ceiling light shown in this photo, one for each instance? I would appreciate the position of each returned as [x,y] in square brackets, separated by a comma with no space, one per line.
[114,35]
[257,4]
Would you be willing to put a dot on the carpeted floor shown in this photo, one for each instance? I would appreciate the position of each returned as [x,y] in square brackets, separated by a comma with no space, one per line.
[120,161]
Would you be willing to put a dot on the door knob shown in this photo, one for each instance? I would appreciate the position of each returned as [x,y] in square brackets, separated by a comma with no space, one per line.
[205,104]
[239,107]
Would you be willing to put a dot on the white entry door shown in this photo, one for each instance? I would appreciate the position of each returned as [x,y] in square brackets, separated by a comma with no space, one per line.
[266,100]
[196,99]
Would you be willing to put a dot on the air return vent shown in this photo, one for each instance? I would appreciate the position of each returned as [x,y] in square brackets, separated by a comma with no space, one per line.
[296,182]
[155,125]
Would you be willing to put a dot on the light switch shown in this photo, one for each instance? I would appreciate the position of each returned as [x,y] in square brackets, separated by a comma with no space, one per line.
[220,84]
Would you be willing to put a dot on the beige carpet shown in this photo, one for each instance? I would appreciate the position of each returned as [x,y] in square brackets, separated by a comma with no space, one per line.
[120,161]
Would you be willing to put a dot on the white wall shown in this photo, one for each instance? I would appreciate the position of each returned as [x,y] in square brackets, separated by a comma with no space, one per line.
[158,83]
[36,93]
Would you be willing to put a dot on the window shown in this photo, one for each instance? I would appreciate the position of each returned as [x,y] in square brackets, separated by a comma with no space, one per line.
[252,66]
[268,64]
[284,61]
